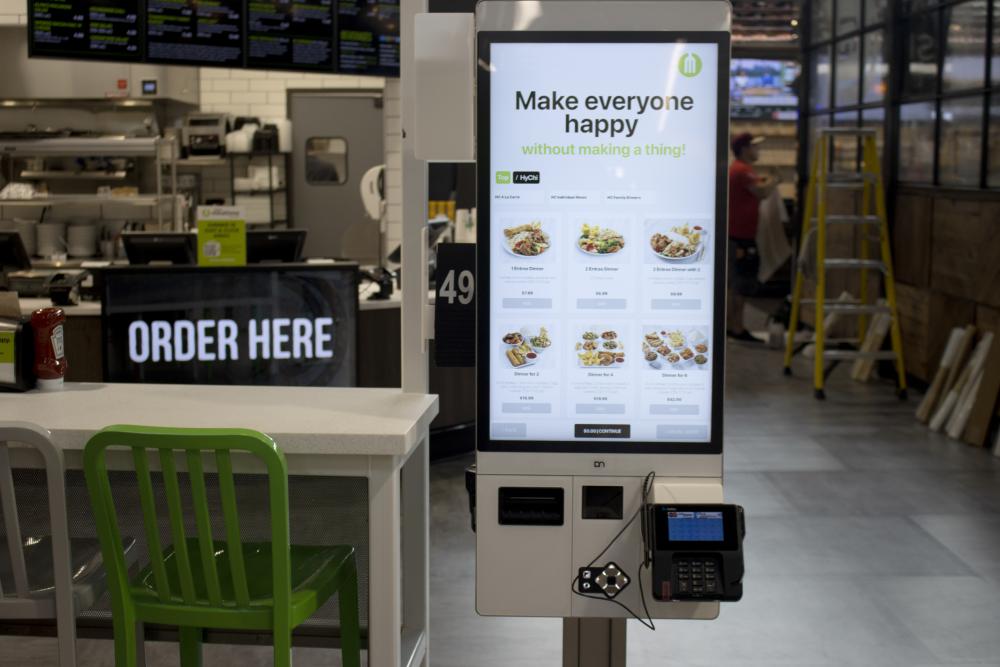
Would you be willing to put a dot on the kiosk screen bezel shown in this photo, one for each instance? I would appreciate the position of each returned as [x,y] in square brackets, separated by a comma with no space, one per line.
[484,441]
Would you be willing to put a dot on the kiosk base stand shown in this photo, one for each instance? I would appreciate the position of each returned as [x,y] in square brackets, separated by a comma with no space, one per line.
[593,642]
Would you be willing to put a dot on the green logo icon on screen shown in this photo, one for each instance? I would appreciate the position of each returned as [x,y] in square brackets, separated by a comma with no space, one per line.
[690,65]
[503,178]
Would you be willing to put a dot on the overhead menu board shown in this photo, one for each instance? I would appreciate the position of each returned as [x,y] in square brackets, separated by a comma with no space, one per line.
[193,32]
[601,272]
[369,36]
[70,28]
[351,36]
[293,35]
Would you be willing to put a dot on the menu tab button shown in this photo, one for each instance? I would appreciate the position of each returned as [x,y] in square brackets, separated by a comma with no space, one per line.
[528,177]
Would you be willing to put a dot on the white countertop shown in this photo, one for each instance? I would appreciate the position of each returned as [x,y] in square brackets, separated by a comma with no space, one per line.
[302,420]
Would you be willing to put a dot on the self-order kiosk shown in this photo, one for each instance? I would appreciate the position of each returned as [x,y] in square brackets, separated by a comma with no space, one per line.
[601,147]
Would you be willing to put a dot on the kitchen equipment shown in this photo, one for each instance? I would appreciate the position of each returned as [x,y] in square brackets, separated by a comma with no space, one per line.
[51,239]
[242,121]
[205,133]
[81,240]
[25,229]
[284,126]
[265,140]
[238,142]
[260,180]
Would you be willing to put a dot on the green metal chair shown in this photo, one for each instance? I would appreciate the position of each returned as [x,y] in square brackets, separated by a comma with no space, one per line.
[199,582]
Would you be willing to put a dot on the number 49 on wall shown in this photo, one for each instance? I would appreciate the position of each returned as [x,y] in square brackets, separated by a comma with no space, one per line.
[466,287]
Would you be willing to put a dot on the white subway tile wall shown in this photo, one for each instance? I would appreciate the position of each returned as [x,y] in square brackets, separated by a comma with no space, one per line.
[13,12]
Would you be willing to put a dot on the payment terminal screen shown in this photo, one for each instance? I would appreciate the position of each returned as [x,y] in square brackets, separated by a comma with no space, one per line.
[603,224]
[695,527]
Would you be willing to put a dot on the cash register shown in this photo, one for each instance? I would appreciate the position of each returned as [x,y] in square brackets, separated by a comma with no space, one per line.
[60,285]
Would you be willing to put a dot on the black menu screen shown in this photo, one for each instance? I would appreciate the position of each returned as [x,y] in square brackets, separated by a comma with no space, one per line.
[290,35]
[104,30]
[332,36]
[369,37]
[194,32]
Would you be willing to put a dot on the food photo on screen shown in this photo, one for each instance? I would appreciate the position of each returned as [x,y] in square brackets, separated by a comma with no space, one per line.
[676,347]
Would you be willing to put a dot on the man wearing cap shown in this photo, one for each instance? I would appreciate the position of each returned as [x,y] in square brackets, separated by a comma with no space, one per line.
[746,191]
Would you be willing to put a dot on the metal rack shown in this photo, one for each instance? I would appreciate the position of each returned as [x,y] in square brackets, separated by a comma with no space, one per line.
[163,150]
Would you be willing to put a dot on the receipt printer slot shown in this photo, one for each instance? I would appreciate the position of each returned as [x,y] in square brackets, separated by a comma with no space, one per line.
[531,506]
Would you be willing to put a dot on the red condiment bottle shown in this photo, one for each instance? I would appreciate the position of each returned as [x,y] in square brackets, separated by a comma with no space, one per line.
[50,351]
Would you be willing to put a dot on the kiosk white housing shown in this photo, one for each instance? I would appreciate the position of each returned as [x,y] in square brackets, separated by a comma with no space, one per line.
[601,151]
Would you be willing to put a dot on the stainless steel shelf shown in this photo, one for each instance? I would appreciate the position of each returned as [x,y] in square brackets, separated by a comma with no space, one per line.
[90,200]
[55,175]
[83,146]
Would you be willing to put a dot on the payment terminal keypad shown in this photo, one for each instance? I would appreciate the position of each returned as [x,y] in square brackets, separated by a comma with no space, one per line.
[696,577]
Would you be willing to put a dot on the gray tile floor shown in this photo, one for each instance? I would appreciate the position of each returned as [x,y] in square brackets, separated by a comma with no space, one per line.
[871,541]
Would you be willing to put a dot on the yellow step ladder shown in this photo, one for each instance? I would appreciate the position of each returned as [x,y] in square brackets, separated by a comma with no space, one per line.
[869,181]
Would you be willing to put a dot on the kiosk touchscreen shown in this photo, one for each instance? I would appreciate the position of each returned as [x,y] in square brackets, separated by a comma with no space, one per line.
[601,150]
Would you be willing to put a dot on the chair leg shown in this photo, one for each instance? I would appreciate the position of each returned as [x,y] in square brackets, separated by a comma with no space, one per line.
[66,628]
[350,633]
[140,644]
[282,649]
[190,646]
[125,640]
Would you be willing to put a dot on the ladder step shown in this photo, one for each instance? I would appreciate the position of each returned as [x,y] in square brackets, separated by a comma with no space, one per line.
[834,306]
[849,263]
[845,185]
[850,220]
[849,131]
[858,354]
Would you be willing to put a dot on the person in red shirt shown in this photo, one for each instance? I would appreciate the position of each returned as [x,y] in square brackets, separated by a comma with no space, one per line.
[746,190]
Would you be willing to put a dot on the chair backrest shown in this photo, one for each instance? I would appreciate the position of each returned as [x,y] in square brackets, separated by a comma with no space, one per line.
[34,436]
[194,443]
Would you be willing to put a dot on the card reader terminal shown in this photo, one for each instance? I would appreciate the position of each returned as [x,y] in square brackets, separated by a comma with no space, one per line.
[697,552]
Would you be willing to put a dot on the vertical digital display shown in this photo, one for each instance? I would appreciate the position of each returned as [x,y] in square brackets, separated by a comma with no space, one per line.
[290,35]
[605,240]
[695,526]
[104,30]
[368,33]
[189,31]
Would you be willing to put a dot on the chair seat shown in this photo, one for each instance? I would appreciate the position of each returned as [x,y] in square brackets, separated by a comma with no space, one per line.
[88,574]
[316,571]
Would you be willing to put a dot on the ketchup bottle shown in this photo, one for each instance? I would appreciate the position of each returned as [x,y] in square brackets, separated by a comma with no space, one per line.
[50,352]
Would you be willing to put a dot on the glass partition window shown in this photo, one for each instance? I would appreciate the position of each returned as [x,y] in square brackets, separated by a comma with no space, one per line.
[916,142]
[876,11]
[876,67]
[819,94]
[326,160]
[965,45]
[995,47]
[848,16]
[822,20]
[921,59]
[961,141]
[930,69]
[848,71]
[845,149]
[993,173]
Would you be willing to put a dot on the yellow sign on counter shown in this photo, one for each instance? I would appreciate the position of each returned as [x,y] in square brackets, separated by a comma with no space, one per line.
[222,236]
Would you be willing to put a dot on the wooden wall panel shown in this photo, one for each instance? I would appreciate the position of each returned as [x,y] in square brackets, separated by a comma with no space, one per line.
[926,319]
[911,239]
[965,251]
[988,319]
